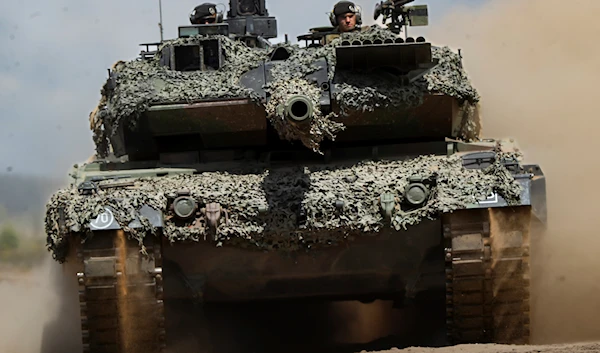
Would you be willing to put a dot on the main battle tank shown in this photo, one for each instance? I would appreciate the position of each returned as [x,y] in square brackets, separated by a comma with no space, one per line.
[230,170]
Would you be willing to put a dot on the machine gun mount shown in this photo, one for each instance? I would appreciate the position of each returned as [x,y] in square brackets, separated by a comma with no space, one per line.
[400,15]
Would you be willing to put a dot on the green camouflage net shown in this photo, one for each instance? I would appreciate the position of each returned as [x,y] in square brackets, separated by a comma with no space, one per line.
[286,209]
[449,77]
[369,91]
[313,131]
[140,84]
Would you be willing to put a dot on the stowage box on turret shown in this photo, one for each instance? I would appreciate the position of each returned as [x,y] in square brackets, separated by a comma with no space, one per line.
[230,169]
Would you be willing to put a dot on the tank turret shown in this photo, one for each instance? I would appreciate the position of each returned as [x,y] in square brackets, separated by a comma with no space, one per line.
[218,92]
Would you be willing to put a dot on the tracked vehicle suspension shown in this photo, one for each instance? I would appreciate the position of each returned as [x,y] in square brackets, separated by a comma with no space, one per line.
[121,295]
[487,276]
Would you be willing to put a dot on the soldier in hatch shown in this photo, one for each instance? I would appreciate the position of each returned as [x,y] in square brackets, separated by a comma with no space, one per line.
[345,17]
[205,14]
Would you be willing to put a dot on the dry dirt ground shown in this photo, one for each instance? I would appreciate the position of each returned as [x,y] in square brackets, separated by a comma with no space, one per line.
[29,302]
[572,348]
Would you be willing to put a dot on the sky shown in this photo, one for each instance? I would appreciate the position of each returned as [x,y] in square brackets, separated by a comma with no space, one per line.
[55,55]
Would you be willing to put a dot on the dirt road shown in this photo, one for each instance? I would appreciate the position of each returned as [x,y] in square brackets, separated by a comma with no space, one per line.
[492,348]
[33,303]
[27,303]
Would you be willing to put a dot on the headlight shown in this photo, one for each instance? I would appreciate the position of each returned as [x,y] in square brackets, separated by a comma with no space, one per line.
[184,207]
[416,193]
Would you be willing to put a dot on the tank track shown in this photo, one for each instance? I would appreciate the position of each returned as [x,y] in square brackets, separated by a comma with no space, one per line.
[120,295]
[487,276]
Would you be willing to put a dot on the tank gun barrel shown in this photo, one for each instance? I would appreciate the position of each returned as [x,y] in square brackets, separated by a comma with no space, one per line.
[298,109]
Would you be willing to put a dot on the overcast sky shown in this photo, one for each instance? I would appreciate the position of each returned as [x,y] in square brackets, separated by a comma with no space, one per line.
[55,55]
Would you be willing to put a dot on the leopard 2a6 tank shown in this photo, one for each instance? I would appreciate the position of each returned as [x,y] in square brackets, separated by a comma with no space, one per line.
[232,171]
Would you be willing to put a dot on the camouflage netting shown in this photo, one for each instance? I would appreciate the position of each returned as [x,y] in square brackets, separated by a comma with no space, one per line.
[366,92]
[264,207]
[315,130]
[142,83]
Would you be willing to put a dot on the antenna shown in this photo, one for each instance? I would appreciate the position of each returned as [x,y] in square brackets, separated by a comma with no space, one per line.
[160,23]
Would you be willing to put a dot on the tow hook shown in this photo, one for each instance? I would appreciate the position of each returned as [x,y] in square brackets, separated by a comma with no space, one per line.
[387,201]
[213,212]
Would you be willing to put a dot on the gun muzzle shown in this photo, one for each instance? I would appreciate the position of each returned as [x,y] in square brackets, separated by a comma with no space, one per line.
[299,108]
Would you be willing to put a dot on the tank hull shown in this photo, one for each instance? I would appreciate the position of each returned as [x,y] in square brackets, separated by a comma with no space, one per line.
[471,266]
[384,265]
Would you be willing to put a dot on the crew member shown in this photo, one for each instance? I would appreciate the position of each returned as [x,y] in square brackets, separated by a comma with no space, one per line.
[345,17]
[205,14]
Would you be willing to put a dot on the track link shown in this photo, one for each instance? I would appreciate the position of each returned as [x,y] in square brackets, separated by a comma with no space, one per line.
[120,295]
[487,276]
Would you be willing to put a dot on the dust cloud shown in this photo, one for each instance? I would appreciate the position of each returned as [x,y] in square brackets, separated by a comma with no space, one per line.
[126,332]
[30,302]
[26,305]
[535,63]
[362,323]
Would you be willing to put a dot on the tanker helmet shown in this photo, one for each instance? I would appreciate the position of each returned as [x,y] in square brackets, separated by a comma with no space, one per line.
[206,12]
[343,7]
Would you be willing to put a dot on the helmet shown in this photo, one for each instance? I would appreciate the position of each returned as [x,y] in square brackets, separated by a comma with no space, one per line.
[343,7]
[206,12]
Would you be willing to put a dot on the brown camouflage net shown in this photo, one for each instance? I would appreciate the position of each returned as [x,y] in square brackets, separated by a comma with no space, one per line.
[286,209]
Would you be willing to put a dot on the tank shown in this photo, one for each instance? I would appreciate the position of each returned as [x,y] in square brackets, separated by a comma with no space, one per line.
[233,175]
